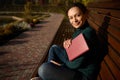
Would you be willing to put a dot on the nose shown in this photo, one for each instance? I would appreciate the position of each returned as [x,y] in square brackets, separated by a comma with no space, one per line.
[75,19]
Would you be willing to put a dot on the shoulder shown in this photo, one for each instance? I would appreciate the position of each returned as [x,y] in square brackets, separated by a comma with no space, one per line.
[89,32]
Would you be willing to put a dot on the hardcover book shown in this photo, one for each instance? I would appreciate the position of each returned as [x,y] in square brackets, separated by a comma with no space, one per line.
[78,47]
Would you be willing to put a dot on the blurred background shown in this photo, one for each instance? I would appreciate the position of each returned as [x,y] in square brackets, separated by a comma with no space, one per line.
[38,5]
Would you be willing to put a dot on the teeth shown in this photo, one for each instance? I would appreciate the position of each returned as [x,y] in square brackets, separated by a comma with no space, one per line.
[76,24]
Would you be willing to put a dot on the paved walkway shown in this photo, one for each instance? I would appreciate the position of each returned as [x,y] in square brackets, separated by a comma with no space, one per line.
[20,57]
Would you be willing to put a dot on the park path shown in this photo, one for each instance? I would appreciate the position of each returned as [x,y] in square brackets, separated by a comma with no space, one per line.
[20,57]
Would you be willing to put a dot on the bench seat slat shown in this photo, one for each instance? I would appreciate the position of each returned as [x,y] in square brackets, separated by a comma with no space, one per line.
[112,12]
[114,32]
[105,73]
[112,41]
[115,56]
[111,29]
[112,67]
[105,5]
[99,18]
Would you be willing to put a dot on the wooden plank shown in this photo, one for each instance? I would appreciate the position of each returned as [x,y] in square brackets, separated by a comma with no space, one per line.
[105,73]
[105,5]
[115,56]
[115,23]
[110,12]
[93,25]
[114,43]
[97,18]
[115,32]
[111,29]
[115,71]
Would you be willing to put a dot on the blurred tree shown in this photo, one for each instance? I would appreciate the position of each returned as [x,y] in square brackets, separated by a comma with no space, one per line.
[27,11]
[87,1]
[74,1]
[37,2]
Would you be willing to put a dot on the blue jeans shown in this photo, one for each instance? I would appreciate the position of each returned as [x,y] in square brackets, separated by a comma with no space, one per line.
[57,54]
[50,71]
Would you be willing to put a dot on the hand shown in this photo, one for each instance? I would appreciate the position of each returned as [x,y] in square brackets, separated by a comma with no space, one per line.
[67,43]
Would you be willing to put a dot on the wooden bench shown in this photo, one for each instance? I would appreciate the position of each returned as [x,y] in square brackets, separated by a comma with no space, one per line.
[104,17]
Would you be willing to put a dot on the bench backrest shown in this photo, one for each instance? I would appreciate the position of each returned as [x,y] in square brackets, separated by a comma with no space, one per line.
[104,17]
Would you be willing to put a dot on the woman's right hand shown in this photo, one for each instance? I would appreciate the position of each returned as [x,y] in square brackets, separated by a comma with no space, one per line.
[67,43]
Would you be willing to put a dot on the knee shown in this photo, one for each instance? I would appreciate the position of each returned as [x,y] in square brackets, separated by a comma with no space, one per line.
[54,46]
[43,70]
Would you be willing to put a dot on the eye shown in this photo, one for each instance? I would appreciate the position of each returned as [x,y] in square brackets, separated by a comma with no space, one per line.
[78,15]
[70,17]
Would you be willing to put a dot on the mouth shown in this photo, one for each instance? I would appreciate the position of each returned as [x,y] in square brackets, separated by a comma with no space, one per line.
[76,24]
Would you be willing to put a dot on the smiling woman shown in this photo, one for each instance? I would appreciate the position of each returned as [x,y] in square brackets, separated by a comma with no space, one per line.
[76,17]
[84,67]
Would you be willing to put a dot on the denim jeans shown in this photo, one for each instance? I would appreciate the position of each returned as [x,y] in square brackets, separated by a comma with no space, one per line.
[57,54]
[50,71]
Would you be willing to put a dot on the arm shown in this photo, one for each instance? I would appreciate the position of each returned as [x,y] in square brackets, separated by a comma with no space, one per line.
[86,58]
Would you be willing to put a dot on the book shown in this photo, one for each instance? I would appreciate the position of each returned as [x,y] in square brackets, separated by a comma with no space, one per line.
[78,47]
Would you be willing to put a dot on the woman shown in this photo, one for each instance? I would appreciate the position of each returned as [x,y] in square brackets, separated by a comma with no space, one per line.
[84,67]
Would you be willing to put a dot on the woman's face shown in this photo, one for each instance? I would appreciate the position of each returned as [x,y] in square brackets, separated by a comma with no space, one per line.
[76,17]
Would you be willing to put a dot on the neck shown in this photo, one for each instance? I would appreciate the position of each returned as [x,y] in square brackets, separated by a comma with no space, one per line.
[84,25]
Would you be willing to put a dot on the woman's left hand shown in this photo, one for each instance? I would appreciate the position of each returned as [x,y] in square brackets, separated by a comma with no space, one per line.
[67,43]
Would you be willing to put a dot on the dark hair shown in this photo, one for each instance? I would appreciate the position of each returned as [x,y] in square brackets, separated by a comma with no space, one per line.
[81,6]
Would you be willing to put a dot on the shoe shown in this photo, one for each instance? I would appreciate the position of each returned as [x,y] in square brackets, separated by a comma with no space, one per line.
[36,78]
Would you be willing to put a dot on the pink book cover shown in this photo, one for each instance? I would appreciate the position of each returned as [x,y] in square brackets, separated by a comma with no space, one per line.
[77,48]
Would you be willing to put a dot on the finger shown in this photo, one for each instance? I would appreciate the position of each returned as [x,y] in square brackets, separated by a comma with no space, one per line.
[65,45]
[68,42]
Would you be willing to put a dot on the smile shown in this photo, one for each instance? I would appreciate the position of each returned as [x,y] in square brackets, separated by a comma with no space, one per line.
[77,23]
